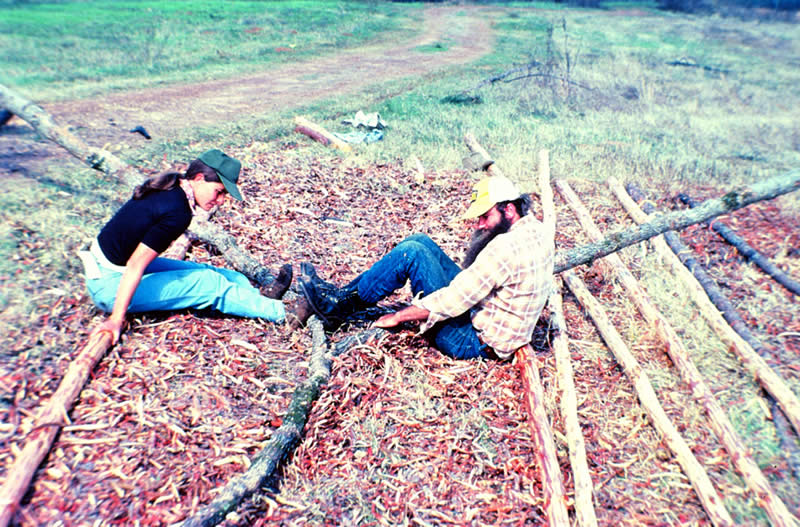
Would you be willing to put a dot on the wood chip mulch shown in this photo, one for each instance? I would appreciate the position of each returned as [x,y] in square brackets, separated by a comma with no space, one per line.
[401,435]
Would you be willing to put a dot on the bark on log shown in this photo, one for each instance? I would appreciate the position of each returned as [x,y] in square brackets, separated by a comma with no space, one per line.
[44,124]
[554,494]
[694,471]
[747,250]
[51,417]
[733,200]
[584,507]
[110,164]
[747,347]
[776,510]
[319,134]
[282,442]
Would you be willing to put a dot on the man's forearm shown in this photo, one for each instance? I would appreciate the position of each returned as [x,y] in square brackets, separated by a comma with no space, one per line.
[407,314]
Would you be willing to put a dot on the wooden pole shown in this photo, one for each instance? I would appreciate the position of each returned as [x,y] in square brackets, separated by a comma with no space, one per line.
[733,200]
[51,417]
[748,251]
[711,501]
[755,364]
[555,496]
[755,479]
[319,134]
[584,507]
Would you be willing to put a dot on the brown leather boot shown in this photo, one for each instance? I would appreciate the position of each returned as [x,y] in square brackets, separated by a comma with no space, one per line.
[297,312]
[281,284]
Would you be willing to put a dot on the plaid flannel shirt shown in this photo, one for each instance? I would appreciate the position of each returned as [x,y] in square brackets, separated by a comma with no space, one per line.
[506,287]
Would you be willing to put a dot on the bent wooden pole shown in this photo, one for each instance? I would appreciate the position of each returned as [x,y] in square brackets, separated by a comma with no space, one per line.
[554,494]
[712,503]
[733,200]
[736,335]
[51,417]
[110,164]
[280,444]
[778,514]
[584,506]
[747,250]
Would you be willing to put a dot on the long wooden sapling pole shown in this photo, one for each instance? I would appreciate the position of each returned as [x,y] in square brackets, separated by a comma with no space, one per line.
[717,309]
[50,418]
[712,503]
[776,510]
[584,506]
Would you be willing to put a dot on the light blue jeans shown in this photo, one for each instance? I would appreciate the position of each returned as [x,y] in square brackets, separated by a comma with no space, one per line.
[169,285]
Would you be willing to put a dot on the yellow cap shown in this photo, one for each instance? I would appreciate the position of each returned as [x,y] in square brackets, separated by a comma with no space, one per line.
[488,192]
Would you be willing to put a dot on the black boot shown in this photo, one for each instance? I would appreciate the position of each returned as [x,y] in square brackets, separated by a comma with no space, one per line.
[280,285]
[333,305]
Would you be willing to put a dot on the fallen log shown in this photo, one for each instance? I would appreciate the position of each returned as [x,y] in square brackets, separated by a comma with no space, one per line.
[319,134]
[111,165]
[778,514]
[747,250]
[43,123]
[750,350]
[50,418]
[584,507]
[712,503]
[733,200]
[280,444]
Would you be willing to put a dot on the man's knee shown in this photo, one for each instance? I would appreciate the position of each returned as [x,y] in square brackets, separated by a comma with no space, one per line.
[419,237]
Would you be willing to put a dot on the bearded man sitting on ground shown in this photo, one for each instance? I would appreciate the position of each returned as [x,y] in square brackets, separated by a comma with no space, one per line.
[488,309]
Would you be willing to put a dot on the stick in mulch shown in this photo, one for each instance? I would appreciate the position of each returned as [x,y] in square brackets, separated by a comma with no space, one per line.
[712,503]
[584,507]
[287,436]
[51,417]
[736,336]
[776,510]
[747,250]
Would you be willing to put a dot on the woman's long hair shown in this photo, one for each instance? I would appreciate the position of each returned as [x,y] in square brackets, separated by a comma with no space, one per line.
[169,180]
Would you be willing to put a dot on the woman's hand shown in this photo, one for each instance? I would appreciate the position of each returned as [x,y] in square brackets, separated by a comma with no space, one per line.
[111,325]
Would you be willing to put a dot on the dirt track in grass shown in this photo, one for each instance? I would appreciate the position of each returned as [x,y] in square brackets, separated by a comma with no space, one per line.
[164,112]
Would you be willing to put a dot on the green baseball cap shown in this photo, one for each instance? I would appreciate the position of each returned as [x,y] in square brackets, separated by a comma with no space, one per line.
[226,167]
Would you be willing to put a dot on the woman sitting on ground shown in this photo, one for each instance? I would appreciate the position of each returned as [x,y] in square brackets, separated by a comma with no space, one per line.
[123,270]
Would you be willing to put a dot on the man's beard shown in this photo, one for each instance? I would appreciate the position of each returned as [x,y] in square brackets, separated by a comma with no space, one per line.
[481,238]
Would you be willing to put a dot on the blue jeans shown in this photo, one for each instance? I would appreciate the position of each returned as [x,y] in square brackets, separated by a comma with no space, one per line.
[419,260]
[176,284]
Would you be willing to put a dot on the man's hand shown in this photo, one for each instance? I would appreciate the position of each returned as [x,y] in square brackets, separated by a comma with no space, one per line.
[111,325]
[411,313]
[387,321]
